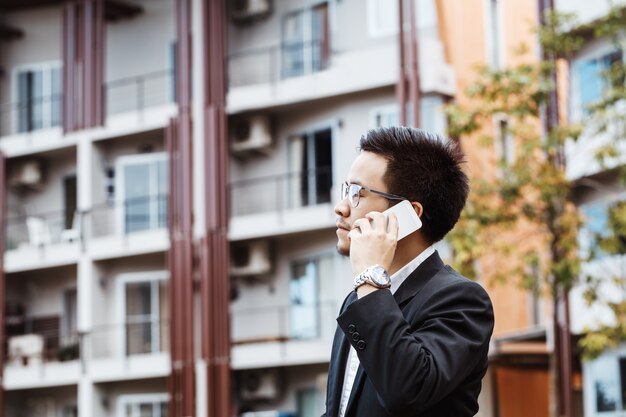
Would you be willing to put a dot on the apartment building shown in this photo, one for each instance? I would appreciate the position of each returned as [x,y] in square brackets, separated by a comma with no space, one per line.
[88,306]
[599,189]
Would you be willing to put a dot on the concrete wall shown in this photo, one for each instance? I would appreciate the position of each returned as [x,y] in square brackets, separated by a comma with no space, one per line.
[40,402]
[124,39]
[41,43]
[48,198]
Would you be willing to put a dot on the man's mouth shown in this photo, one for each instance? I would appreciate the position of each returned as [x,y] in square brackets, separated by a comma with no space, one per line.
[343,227]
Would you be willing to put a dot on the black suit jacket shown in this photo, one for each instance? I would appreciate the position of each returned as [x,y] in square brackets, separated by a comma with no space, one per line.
[423,350]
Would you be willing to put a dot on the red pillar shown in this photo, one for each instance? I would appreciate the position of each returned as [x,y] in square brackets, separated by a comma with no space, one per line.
[215,285]
[2,276]
[408,77]
[83,64]
[180,256]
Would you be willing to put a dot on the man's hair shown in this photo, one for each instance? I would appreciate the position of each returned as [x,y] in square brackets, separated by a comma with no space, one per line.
[426,168]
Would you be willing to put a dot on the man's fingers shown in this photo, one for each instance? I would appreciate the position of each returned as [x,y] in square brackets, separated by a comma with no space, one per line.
[392,227]
[378,219]
[362,224]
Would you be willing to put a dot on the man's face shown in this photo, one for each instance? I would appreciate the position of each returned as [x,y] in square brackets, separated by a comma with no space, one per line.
[367,170]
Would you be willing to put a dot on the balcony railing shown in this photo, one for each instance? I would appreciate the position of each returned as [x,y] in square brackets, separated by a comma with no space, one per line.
[281,324]
[39,340]
[278,193]
[110,218]
[121,340]
[41,229]
[135,94]
[127,216]
[273,63]
[29,115]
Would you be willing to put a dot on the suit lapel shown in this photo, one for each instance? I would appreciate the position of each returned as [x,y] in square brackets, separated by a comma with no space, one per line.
[337,369]
[418,278]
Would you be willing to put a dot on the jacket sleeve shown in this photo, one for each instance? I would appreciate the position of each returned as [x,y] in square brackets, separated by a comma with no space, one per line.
[416,363]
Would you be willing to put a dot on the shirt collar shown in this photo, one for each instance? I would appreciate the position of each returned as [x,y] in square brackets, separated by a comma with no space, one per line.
[403,273]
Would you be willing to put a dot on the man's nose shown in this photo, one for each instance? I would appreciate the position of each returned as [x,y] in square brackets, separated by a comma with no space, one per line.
[342,208]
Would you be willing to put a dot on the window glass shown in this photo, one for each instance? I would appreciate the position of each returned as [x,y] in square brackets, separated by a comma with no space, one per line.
[38,98]
[304,300]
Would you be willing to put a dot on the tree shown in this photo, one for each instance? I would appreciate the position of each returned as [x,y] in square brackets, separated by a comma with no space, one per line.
[531,195]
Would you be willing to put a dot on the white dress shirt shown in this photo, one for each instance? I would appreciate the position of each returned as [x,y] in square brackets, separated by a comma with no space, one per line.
[352,364]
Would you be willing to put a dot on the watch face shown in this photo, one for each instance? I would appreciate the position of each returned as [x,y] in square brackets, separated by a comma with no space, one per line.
[379,276]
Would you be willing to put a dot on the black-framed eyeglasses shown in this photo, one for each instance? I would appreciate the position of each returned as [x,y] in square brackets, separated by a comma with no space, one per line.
[353,193]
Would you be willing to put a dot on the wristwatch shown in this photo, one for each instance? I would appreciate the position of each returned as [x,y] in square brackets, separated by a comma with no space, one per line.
[375,276]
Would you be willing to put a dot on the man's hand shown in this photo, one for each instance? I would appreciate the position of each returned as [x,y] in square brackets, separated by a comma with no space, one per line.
[373,240]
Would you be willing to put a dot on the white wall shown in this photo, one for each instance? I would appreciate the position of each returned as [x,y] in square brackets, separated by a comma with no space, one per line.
[126,38]
[39,402]
[49,197]
[41,43]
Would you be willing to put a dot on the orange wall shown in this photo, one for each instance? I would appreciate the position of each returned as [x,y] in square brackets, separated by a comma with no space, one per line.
[462,27]
[522,392]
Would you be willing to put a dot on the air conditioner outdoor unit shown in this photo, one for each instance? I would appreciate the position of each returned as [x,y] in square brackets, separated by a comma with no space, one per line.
[250,258]
[242,10]
[260,384]
[25,349]
[252,134]
[27,174]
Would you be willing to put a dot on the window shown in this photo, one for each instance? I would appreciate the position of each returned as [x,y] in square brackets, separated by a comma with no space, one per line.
[144,300]
[432,116]
[601,219]
[505,144]
[69,326]
[304,300]
[605,380]
[310,164]
[146,405]
[306,46]
[385,116]
[495,57]
[310,402]
[383,17]
[38,97]
[143,185]
[592,79]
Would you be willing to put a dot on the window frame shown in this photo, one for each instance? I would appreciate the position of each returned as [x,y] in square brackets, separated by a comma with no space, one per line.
[136,399]
[46,67]
[120,163]
[153,277]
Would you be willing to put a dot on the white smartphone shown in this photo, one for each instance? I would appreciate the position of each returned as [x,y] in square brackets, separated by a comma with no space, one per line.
[408,220]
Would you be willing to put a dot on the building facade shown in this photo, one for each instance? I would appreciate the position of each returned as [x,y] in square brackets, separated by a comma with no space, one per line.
[88,234]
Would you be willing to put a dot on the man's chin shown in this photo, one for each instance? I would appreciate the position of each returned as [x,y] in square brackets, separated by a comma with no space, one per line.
[342,250]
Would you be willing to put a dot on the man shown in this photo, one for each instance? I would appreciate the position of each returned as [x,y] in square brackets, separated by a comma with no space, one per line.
[413,337]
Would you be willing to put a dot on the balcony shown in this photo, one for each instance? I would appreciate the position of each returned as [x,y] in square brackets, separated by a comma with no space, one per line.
[282,75]
[39,354]
[281,204]
[137,348]
[127,227]
[138,103]
[282,335]
[132,104]
[41,240]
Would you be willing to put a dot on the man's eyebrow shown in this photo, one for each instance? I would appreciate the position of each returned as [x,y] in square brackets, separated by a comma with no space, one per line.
[356,182]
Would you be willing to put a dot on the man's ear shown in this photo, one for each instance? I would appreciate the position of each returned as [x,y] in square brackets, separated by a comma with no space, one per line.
[419,209]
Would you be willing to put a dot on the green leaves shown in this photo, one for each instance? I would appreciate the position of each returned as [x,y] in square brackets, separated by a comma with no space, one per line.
[530,196]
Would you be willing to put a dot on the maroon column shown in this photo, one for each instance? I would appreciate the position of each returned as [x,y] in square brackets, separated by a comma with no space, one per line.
[414,73]
[3,336]
[215,285]
[401,85]
[408,77]
[180,257]
[83,64]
